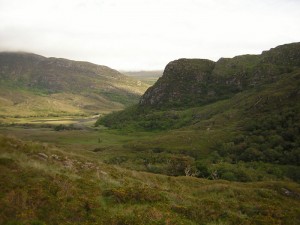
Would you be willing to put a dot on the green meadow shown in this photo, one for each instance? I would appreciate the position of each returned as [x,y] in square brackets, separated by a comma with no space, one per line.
[95,175]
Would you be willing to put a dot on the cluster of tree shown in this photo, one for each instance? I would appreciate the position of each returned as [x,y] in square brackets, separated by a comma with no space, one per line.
[274,139]
[61,127]
[136,117]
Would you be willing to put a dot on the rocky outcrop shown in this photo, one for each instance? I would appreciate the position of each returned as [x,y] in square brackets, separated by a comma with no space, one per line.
[191,82]
[181,78]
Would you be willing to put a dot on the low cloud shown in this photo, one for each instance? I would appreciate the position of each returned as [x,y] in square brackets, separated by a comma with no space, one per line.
[144,34]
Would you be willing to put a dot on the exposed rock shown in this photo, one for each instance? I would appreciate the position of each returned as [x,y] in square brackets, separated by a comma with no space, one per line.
[290,193]
[43,155]
[189,82]
[68,164]
[179,78]
[55,157]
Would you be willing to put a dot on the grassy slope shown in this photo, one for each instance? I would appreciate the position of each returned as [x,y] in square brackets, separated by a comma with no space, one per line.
[248,103]
[102,176]
[33,85]
[43,184]
[208,127]
[209,134]
[22,103]
[87,183]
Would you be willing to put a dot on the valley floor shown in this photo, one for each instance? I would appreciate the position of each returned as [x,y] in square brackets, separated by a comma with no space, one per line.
[66,171]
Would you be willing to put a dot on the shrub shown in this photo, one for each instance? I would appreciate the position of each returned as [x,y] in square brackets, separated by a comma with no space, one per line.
[134,194]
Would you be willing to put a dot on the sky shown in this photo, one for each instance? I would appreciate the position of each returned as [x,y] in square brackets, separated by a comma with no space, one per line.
[146,34]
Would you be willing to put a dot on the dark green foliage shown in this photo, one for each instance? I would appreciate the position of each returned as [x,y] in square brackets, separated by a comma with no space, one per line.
[7,162]
[61,127]
[180,166]
[202,169]
[273,138]
[138,118]
[124,98]
[262,119]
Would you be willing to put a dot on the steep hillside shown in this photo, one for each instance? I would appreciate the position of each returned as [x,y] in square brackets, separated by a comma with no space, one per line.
[192,82]
[36,83]
[210,143]
[183,81]
[188,83]
[250,114]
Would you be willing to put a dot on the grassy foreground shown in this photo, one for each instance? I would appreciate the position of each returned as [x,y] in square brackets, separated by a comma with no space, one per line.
[62,178]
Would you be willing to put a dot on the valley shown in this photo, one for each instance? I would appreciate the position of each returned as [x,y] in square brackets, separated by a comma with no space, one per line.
[149,77]
[103,176]
[208,143]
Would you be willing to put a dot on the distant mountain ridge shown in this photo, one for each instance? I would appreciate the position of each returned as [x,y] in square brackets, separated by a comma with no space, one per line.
[108,87]
[57,74]
[199,81]
[144,73]
[147,76]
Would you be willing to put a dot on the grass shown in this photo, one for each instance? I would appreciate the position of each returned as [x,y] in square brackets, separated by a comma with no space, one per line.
[27,103]
[260,124]
[79,188]
[154,151]
[103,176]
[231,161]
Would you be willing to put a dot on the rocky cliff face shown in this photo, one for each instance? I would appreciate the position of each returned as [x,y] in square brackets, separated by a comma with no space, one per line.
[188,82]
[181,78]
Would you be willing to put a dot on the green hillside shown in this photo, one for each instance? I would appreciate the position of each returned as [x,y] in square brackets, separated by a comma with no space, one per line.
[39,86]
[210,143]
[193,82]
[43,184]
[256,123]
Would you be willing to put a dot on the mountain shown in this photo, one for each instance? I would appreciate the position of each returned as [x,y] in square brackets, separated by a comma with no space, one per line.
[210,143]
[191,82]
[244,109]
[54,85]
